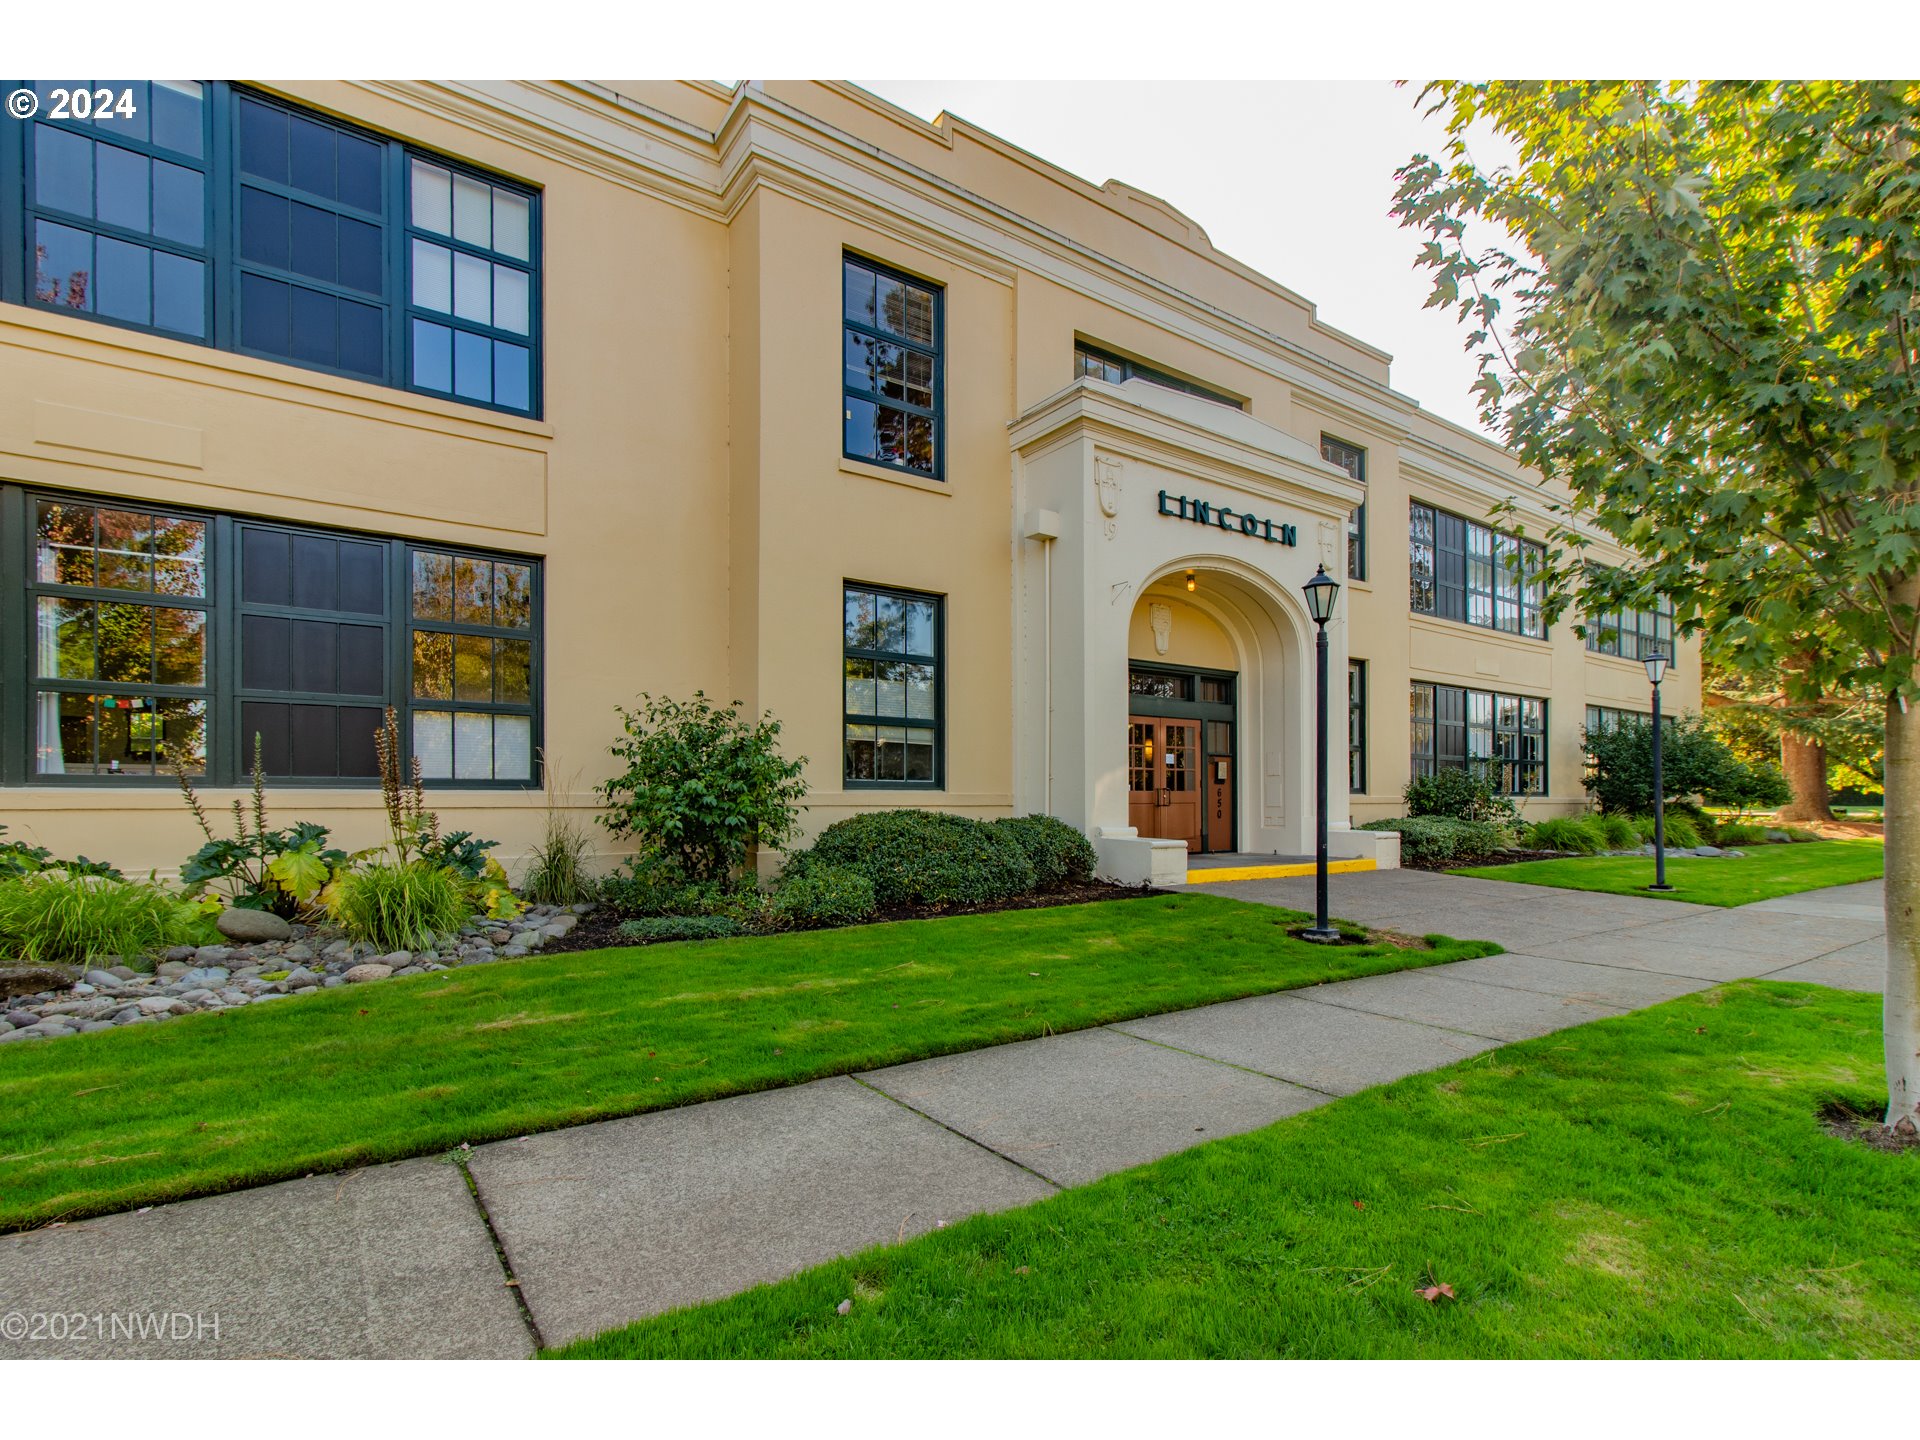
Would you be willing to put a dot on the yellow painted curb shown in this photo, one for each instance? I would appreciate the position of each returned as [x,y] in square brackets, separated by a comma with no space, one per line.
[1221,874]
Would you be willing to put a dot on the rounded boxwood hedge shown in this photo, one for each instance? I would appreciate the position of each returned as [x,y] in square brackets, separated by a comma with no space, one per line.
[923,857]
[1060,855]
[816,896]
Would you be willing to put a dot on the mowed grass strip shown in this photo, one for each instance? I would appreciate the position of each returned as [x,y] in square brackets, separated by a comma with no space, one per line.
[1655,1185]
[1762,872]
[100,1122]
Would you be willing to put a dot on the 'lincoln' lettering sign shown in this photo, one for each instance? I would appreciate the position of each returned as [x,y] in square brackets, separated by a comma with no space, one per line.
[1225,517]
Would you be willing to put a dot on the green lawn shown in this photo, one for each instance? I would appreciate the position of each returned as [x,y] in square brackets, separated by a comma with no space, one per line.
[211,1102]
[1649,1186]
[1763,872]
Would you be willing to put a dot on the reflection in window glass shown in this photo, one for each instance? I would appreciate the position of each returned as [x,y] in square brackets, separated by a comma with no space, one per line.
[890,685]
[891,366]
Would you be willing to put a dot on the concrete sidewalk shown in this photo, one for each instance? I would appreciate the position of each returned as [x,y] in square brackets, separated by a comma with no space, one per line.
[567,1233]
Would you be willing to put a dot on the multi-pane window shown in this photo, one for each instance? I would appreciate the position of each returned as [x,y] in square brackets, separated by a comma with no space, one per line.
[154,636]
[1357,726]
[891,681]
[325,246]
[470,256]
[1462,570]
[1455,728]
[116,207]
[472,652]
[891,340]
[1117,370]
[1353,460]
[117,602]
[1633,634]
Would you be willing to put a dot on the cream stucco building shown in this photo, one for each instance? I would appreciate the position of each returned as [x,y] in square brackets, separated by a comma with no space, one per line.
[502,403]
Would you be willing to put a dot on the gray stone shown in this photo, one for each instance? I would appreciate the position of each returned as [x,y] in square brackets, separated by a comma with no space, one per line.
[1079,1106]
[93,1025]
[271,995]
[102,978]
[333,982]
[160,1005]
[299,976]
[171,969]
[252,925]
[213,955]
[696,1203]
[1322,1047]
[360,974]
[388,1261]
[53,1029]
[297,951]
[20,1019]
[122,1017]
[180,952]
[407,970]
[9,1036]
[513,952]
[196,997]
[121,972]
[1707,850]
[339,950]
[21,980]
[396,959]
[206,975]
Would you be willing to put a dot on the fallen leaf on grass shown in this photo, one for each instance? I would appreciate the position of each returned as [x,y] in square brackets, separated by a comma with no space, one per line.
[1359,1204]
[1431,1293]
[845,1307]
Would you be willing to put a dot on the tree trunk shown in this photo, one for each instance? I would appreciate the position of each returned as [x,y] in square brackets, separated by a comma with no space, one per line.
[1902,1012]
[1805,764]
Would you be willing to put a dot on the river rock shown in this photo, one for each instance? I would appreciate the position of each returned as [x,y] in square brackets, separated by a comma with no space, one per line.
[360,974]
[252,925]
[18,980]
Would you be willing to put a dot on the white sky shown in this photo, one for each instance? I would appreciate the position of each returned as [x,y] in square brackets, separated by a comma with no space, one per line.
[1294,178]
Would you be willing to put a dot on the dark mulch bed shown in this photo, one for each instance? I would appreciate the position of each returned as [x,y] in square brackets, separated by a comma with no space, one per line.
[600,929]
[1845,1120]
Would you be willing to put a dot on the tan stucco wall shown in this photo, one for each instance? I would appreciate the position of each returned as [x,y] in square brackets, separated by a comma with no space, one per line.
[685,485]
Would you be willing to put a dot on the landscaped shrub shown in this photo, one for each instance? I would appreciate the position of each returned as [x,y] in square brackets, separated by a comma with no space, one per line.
[702,784]
[681,927]
[1731,834]
[57,919]
[1469,794]
[400,907]
[258,869]
[1580,834]
[1694,761]
[654,884]
[1440,839]
[818,896]
[923,857]
[1060,855]
[18,858]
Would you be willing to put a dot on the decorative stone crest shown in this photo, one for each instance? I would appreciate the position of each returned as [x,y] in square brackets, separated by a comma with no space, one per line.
[1106,487]
[1160,617]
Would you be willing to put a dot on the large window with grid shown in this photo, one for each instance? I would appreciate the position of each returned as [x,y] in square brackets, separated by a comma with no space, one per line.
[228,217]
[891,339]
[1632,634]
[1453,728]
[1353,460]
[139,636]
[1117,370]
[1462,570]
[1357,726]
[893,644]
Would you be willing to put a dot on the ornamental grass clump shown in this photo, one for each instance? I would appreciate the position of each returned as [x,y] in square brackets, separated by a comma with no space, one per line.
[53,918]
[400,907]
[1578,835]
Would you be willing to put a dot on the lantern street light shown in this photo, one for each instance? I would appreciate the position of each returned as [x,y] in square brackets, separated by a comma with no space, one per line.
[1321,591]
[1656,671]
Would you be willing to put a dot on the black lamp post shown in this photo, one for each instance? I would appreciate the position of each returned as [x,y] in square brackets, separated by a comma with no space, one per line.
[1321,591]
[1656,671]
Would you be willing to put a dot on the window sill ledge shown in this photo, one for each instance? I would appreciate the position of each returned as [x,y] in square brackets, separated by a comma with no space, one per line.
[865,471]
[1453,627]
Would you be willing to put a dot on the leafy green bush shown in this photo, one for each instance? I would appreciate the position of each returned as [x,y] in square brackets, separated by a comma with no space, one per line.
[1580,834]
[681,927]
[258,869]
[818,896]
[17,858]
[1754,787]
[1731,834]
[654,884]
[52,918]
[924,857]
[1060,855]
[1441,839]
[702,784]
[400,907]
[1694,761]
[1469,794]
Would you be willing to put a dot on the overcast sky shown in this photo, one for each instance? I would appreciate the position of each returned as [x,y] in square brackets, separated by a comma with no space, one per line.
[1293,178]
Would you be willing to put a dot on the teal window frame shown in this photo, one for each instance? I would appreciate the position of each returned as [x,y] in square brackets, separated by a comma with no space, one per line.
[850,394]
[1352,459]
[1476,575]
[223,187]
[229,755]
[1452,727]
[935,656]
[1356,727]
[1631,634]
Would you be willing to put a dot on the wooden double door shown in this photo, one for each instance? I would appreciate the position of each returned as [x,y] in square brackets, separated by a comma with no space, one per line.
[1180,780]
